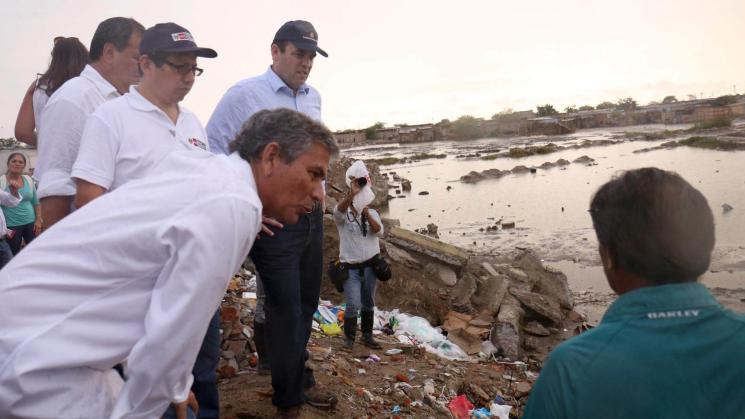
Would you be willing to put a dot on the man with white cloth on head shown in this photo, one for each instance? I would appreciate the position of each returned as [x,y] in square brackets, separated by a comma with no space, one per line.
[359,248]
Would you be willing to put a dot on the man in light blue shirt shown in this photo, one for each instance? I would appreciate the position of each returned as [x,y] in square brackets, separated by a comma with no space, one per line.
[289,259]
[281,86]
[665,348]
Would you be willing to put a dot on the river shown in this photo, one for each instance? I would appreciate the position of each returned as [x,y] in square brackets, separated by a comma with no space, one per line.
[549,207]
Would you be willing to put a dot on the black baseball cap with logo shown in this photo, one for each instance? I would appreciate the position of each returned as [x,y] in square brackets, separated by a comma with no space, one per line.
[302,34]
[172,38]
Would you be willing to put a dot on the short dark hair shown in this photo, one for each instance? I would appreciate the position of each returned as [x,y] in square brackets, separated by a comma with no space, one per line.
[655,225]
[114,30]
[293,131]
[281,45]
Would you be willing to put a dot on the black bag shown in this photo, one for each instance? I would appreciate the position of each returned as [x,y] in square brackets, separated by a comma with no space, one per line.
[338,272]
[381,268]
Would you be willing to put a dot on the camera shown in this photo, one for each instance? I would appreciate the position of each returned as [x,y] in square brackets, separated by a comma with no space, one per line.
[361,182]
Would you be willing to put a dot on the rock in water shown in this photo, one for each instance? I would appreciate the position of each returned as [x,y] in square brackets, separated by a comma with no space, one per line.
[726,208]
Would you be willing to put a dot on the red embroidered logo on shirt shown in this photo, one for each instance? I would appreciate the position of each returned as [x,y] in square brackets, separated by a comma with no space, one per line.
[196,143]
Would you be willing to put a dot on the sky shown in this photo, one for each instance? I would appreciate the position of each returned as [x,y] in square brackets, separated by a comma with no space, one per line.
[420,61]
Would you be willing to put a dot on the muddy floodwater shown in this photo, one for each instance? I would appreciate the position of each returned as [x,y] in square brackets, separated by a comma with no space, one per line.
[549,207]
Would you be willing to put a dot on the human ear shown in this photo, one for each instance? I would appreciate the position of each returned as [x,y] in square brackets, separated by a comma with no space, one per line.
[606,258]
[270,158]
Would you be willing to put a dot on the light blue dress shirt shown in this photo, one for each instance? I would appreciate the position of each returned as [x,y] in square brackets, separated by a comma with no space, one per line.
[251,95]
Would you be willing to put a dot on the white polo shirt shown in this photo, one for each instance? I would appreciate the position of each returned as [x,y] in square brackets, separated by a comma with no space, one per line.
[61,127]
[125,138]
[135,274]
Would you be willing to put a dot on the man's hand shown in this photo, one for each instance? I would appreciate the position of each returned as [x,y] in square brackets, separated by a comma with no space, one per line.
[191,401]
[265,223]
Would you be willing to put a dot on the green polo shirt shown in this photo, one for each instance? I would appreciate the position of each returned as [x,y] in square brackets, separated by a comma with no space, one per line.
[669,351]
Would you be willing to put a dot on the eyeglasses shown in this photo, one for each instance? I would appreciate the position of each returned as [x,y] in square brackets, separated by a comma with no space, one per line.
[185,68]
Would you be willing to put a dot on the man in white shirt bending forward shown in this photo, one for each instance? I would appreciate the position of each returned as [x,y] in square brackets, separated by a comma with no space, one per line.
[137,274]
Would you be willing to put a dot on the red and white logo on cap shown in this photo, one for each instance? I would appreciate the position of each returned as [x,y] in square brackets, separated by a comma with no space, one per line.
[182,36]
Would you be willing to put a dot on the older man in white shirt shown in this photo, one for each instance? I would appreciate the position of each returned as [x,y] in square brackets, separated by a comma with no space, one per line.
[137,273]
[114,67]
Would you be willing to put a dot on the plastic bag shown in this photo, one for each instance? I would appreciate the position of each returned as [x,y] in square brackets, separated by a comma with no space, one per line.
[500,411]
[460,407]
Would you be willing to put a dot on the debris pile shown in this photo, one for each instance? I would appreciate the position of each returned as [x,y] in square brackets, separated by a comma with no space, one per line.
[451,324]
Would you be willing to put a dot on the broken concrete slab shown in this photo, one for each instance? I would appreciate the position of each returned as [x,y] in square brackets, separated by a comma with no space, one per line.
[434,248]
[441,273]
[536,329]
[544,307]
[551,283]
[489,293]
[460,294]
[489,268]
[506,333]
[401,256]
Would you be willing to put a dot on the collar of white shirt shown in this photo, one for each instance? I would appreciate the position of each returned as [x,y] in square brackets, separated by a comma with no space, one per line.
[102,85]
[243,168]
[139,102]
[276,83]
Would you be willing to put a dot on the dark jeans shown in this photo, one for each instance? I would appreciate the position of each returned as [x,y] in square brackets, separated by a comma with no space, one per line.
[25,232]
[5,254]
[205,375]
[290,264]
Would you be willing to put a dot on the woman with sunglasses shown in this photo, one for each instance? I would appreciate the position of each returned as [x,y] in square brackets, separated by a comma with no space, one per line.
[69,57]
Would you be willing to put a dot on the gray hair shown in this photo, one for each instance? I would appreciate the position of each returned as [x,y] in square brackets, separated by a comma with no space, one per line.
[293,131]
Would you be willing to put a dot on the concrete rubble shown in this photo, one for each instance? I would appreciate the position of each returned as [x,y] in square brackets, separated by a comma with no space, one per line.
[505,311]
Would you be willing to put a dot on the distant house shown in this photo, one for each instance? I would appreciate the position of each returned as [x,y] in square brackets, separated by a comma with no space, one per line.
[416,133]
[549,125]
[515,123]
[350,137]
[387,134]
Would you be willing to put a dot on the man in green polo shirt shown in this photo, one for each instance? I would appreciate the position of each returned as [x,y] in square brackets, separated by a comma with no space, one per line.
[665,348]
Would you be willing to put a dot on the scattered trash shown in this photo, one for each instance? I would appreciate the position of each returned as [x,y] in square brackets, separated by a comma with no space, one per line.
[396,409]
[402,377]
[331,329]
[460,407]
[373,358]
[501,411]
[480,413]
[361,371]
[393,351]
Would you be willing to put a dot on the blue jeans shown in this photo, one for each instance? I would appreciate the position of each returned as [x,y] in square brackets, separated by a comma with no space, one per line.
[359,291]
[5,254]
[205,375]
[290,265]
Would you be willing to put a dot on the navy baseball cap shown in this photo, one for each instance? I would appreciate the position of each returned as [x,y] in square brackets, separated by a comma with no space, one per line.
[302,34]
[170,37]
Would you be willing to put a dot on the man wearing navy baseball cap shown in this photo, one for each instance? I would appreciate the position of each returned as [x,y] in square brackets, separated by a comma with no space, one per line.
[288,258]
[126,138]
